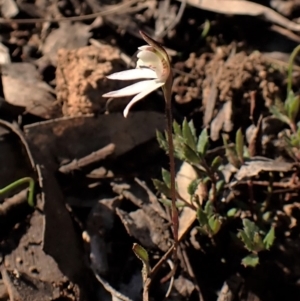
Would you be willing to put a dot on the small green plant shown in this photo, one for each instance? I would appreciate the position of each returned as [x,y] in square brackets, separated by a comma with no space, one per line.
[209,221]
[288,110]
[292,143]
[237,153]
[192,149]
[212,215]
[18,183]
[255,240]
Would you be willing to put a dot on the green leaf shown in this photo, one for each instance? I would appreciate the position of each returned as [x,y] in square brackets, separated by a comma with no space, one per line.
[162,187]
[193,130]
[239,144]
[177,128]
[251,237]
[269,238]
[246,240]
[252,260]
[216,162]
[258,243]
[289,99]
[250,228]
[293,108]
[206,29]
[168,203]
[193,187]
[214,224]
[202,217]
[161,141]
[166,176]
[267,216]
[232,212]
[209,208]
[219,186]
[206,180]
[203,142]
[142,255]
[246,154]
[188,135]
[281,116]
[190,155]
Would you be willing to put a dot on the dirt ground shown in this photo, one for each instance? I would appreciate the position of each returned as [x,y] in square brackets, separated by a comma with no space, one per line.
[93,170]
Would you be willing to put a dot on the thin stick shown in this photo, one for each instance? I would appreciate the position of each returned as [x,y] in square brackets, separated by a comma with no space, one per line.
[115,9]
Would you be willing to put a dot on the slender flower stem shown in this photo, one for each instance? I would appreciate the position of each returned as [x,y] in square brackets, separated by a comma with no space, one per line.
[174,211]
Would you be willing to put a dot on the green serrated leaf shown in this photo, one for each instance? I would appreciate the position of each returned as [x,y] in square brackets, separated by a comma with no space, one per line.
[202,217]
[203,142]
[269,238]
[161,141]
[214,224]
[239,144]
[187,134]
[252,260]
[162,187]
[177,128]
[250,228]
[166,176]
[190,155]
[258,243]
[216,162]
[142,255]
[246,240]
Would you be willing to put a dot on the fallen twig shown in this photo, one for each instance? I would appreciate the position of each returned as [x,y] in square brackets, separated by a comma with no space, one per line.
[89,159]
[115,9]
[13,202]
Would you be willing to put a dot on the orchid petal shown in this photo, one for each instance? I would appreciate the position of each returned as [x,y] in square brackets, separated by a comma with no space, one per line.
[154,85]
[131,90]
[133,74]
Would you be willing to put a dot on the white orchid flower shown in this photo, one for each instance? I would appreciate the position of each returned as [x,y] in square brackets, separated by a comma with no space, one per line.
[154,65]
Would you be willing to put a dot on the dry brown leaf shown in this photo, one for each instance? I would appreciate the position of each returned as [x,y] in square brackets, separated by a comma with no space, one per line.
[67,36]
[255,166]
[22,86]
[187,216]
[222,121]
[241,7]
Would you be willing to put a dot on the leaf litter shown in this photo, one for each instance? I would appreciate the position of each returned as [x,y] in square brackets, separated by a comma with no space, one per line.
[94,169]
